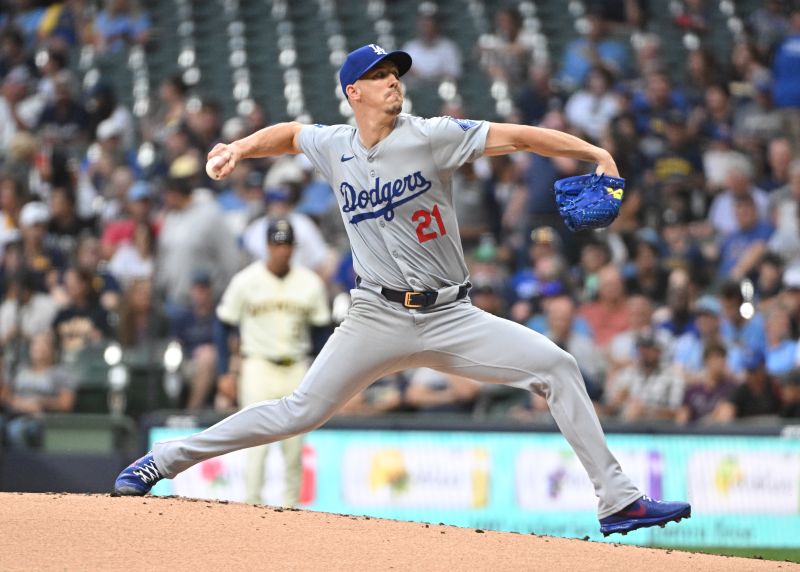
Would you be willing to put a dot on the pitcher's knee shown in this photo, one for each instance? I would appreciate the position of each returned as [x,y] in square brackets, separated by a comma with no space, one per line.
[306,413]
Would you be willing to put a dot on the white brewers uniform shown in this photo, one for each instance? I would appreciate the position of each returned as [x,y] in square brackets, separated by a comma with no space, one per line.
[396,202]
[274,315]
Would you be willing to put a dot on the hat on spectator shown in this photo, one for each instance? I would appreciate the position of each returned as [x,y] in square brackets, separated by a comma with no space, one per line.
[283,172]
[184,167]
[18,75]
[676,117]
[280,231]
[278,193]
[109,128]
[546,235]
[708,305]
[648,338]
[139,191]
[753,359]
[791,278]
[201,277]
[35,212]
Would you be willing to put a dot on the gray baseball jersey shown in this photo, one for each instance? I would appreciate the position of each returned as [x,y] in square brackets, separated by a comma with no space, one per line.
[396,199]
[397,205]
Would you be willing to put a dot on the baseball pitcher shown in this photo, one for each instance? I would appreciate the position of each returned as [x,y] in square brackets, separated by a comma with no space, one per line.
[391,174]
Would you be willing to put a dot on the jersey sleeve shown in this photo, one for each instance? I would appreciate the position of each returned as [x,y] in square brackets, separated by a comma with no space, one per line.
[456,141]
[314,141]
[320,314]
[229,309]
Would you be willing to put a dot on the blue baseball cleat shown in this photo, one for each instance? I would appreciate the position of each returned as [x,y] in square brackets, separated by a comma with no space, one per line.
[643,513]
[138,478]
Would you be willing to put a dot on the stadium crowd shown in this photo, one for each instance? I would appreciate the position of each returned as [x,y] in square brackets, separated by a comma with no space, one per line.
[686,310]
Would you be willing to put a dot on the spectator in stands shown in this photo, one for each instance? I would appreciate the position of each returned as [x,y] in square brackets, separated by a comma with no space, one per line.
[475,207]
[431,391]
[38,387]
[171,109]
[746,332]
[768,285]
[65,227]
[486,295]
[591,108]
[82,322]
[645,275]
[714,118]
[435,56]
[121,23]
[678,165]
[383,396]
[594,256]
[194,329]
[702,401]
[12,49]
[785,215]
[649,389]
[702,71]
[138,209]
[506,54]
[101,105]
[544,275]
[768,25]
[757,396]
[789,297]
[781,348]
[747,66]
[13,103]
[560,312]
[790,385]
[653,104]
[739,177]
[693,16]
[141,322]
[741,251]
[205,123]
[689,347]
[779,159]
[622,351]
[134,260]
[786,62]
[606,315]
[44,262]
[65,119]
[25,312]
[311,250]
[595,49]
[88,257]
[193,236]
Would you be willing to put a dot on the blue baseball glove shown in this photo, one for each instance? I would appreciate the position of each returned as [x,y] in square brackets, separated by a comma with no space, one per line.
[589,201]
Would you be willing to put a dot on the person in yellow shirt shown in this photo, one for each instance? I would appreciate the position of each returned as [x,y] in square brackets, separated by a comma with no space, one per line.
[275,306]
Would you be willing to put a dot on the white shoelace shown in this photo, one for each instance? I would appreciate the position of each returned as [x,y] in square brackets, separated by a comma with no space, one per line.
[148,472]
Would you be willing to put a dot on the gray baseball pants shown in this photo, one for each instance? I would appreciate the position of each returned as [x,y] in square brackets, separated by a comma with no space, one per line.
[378,338]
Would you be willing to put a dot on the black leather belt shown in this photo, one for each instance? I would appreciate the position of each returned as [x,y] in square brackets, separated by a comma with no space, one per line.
[280,362]
[419,299]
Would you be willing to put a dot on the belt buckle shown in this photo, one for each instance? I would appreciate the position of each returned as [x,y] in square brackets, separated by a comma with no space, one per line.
[408,303]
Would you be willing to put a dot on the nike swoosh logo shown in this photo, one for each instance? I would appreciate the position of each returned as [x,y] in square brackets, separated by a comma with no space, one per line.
[640,510]
[347,158]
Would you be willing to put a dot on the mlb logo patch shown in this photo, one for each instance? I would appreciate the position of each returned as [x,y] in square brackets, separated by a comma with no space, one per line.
[465,124]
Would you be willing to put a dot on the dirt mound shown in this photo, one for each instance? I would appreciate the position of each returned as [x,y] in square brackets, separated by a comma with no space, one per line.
[98,532]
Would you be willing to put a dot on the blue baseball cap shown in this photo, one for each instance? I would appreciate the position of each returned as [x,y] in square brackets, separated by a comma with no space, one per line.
[365,58]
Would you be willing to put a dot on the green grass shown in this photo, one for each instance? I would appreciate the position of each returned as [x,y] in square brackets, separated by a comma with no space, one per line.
[782,554]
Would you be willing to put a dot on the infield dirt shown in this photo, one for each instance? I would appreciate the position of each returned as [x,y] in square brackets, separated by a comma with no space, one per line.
[98,532]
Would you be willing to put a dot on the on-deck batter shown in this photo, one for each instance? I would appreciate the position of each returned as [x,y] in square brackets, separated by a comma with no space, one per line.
[392,178]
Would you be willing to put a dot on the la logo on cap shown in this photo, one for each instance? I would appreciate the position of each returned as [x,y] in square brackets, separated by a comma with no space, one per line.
[377,49]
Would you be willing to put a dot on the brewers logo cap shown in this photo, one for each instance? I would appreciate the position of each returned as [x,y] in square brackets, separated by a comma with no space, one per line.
[280,231]
[365,58]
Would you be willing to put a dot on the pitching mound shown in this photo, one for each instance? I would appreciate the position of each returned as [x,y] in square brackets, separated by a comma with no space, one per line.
[98,532]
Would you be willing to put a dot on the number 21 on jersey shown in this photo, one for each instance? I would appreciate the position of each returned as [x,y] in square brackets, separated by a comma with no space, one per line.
[424,219]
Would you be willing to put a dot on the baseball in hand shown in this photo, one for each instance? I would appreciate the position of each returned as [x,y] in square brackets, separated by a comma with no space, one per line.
[213,166]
